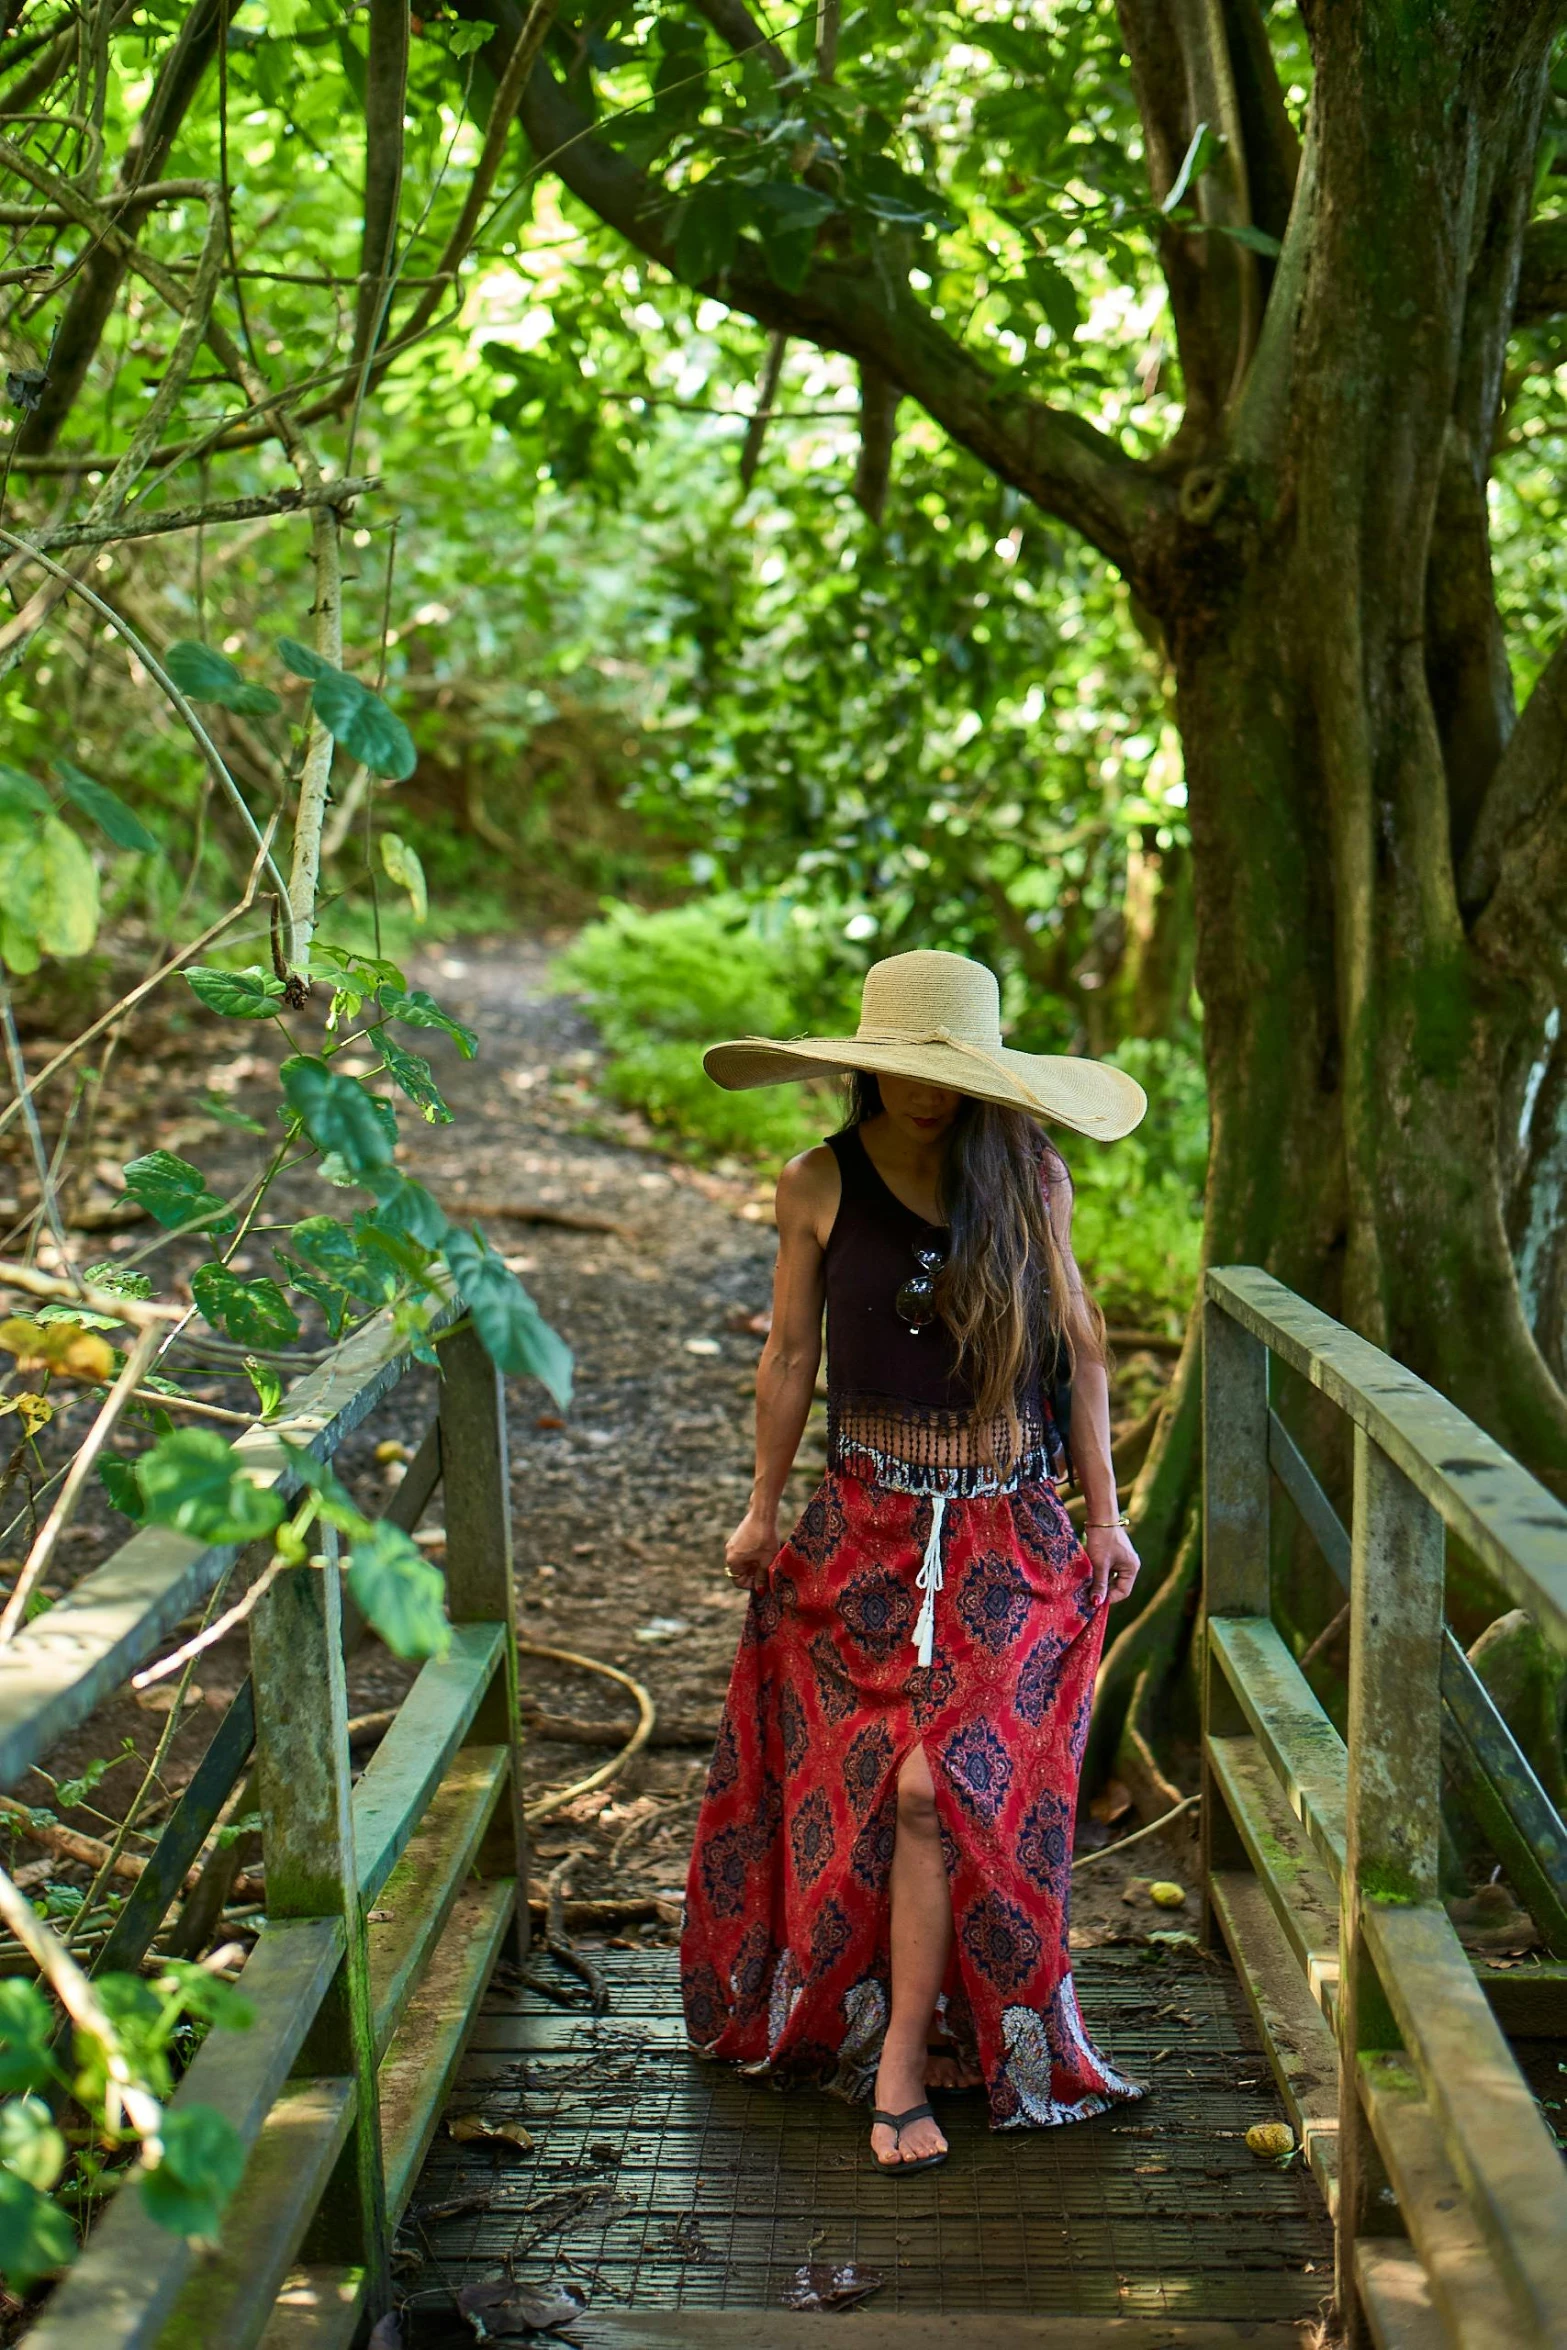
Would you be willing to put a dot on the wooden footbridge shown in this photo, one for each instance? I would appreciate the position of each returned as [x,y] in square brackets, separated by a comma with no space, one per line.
[683,2203]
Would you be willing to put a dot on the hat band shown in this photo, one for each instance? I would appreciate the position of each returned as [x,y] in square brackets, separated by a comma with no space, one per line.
[957,1044]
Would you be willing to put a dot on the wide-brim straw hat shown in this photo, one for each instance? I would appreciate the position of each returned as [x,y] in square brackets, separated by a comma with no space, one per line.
[937,1018]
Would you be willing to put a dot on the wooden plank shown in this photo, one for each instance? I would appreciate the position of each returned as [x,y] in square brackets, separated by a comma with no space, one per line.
[1393,1812]
[1466,2289]
[1322,1521]
[1493,2130]
[412,1759]
[1306,1753]
[62,1667]
[420,1479]
[229,2298]
[1299,2044]
[1529,2001]
[480,1582]
[1396,2297]
[603,2328]
[1511,1807]
[131,2273]
[318,2309]
[1235,1467]
[417,1899]
[1303,1899]
[208,1789]
[417,2072]
[1480,1491]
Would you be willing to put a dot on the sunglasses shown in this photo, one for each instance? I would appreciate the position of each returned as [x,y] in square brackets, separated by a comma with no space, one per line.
[915,1303]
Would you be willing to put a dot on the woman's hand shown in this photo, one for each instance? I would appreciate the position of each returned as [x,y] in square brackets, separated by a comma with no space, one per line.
[1115,1562]
[752,1547]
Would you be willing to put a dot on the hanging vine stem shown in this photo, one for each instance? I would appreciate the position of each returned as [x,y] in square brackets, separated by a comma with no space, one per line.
[160,677]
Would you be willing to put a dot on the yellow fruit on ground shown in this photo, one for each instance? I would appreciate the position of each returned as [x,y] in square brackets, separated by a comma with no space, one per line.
[1167,1896]
[1270,2139]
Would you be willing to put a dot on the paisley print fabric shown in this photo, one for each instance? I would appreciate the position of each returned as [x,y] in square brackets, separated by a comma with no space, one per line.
[784,1960]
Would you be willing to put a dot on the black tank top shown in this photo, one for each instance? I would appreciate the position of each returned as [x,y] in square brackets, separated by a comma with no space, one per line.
[900,1412]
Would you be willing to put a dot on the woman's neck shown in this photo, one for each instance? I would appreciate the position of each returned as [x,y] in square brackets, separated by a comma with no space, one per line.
[912,1163]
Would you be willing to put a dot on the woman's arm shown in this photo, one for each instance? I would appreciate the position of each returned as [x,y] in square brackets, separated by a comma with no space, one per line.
[786,1374]
[1108,1545]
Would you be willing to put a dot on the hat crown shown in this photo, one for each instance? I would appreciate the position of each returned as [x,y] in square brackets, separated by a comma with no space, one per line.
[915,994]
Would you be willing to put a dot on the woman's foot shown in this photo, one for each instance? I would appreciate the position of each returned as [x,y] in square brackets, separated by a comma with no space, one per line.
[900,2083]
[945,2068]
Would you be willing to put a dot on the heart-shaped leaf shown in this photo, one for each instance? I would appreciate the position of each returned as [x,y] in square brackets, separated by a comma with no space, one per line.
[511,1329]
[396,1589]
[363,724]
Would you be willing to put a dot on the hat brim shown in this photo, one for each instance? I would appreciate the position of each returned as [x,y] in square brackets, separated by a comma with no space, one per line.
[1091,1097]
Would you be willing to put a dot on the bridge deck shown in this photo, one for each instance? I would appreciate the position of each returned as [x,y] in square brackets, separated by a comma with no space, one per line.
[661,2183]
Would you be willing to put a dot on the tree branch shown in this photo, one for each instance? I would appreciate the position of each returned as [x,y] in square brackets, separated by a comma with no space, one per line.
[1061,463]
[1514,878]
[734,23]
[386,97]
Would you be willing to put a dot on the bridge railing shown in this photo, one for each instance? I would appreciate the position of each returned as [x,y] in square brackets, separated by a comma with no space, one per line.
[386,1902]
[1321,1853]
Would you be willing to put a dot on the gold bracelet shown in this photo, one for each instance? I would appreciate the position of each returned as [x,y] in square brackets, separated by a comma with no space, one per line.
[1104,1525]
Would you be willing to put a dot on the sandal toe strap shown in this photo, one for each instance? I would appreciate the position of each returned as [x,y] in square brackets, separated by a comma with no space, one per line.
[900,2121]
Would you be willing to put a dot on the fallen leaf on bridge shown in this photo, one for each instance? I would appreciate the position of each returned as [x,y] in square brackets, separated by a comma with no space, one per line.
[830,2285]
[506,2311]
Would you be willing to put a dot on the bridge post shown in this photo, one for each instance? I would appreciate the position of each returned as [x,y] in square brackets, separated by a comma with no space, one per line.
[1393,1804]
[480,1583]
[1235,1545]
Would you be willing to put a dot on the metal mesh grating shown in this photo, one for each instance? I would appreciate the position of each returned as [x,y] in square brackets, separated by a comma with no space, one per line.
[713,2189]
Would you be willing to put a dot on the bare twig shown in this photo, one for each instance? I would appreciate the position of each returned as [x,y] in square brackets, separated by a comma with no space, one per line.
[215,1631]
[647,1715]
[70,1494]
[1328,1634]
[1165,1820]
[47,1194]
[310,814]
[767,394]
[137,525]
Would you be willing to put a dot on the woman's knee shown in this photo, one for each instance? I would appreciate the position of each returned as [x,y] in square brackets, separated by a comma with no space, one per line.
[916,1796]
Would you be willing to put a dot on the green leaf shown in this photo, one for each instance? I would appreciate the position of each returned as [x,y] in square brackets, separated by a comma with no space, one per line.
[299,658]
[363,724]
[30,2145]
[464,39]
[405,1207]
[252,994]
[413,1076]
[121,1484]
[1199,155]
[268,1385]
[203,2162]
[174,1193]
[20,796]
[26,2028]
[396,1589]
[403,866]
[787,218]
[35,2236]
[416,1009]
[340,1116]
[1256,240]
[123,826]
[226,1115]
[195,1482]
[513,1332]
[705,239]
[204,675]
[253,1313]
[50,890]
[18,947]
[1055,294]
[117,1280]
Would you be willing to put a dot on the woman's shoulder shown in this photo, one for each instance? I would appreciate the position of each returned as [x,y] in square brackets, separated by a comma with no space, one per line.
[809,1190]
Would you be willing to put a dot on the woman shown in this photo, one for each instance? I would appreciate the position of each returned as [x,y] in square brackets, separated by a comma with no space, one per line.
[878,1889]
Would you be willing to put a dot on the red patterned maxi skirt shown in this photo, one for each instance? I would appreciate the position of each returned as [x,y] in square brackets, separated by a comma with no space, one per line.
[784,1959]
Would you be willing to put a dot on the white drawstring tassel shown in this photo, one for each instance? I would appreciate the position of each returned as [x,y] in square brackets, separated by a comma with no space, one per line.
[929,1581]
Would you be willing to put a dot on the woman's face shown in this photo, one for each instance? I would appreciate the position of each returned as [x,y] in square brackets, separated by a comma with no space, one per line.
[922,1112]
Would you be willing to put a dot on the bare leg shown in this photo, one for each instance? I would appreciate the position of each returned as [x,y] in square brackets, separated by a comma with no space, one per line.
[921,1934]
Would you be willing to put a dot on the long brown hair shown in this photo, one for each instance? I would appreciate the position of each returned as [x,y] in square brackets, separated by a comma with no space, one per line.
[1004,1292]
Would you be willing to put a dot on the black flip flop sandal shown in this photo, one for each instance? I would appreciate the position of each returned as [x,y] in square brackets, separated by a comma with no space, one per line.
[898,2123]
